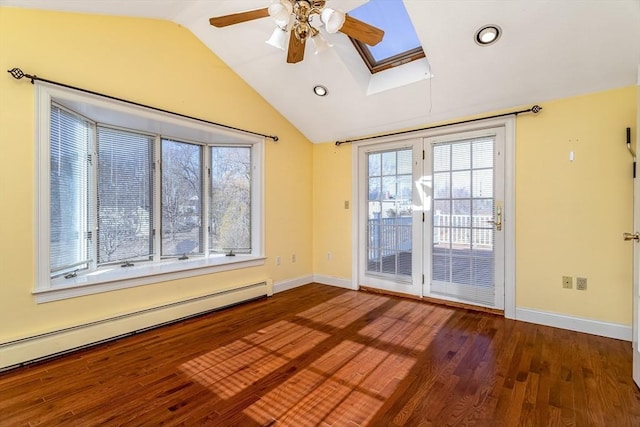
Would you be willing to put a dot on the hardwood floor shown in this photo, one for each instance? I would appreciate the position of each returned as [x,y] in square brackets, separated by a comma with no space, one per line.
[325,356]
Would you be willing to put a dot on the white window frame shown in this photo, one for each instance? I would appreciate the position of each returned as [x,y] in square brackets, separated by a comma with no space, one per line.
[118,113]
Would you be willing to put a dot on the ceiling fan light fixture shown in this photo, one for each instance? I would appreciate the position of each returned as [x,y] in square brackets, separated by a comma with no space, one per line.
[280,12]
[301,30]
[332,19]
[488,35]
[278,38]
[303,19]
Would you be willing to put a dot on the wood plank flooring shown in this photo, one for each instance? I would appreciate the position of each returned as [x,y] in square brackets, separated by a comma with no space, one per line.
[325,356]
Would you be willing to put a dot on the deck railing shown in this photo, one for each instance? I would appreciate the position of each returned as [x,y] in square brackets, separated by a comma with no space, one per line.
[462,230]
[387,236]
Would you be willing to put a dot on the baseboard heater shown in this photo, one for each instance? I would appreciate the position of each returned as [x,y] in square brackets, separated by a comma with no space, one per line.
[36,348]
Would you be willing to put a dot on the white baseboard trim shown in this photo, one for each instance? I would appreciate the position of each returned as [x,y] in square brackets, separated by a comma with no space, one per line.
[315,278]
[292,283]
[33,348]
[578,324]
[333,281]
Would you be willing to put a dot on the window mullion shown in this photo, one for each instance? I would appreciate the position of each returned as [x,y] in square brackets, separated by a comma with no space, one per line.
[93,198]
[157,197]
[206,185]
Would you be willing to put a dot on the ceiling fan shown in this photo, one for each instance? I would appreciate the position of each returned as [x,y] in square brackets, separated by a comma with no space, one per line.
[295,17]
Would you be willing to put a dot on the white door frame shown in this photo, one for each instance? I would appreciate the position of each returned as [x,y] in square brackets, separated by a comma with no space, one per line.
[509,124]
[635,326]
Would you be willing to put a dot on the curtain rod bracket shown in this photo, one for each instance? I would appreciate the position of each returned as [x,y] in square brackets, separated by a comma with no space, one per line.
[633,153]
[535,109]
[18,74]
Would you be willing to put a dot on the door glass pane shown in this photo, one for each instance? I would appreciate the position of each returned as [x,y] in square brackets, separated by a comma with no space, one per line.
[181,198]
[389,163]
[375,162]
[375,188]
[483,154]
[442,185]
[460,184]
[389,187]
[463,236]
[483,183]
[441,158]
[461,156]
[405,162]
[389,222]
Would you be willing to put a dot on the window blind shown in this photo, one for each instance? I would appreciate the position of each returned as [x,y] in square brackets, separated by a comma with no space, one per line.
[69,186]
[390,223]
[463,204]
[125,195]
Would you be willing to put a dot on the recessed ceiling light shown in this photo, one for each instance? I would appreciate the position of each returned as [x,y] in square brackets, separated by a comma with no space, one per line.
[320,90]
[487,35]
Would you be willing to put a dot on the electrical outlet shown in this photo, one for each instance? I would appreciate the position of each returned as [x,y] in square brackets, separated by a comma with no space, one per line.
[277,260]
[293,258]
[346,204]
[328,256]
[581,283]
[567,282]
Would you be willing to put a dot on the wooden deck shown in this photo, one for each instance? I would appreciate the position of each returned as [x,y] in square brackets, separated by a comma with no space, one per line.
[324,356]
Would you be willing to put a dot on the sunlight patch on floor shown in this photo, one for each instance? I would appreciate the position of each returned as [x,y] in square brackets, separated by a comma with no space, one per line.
[352,381]
[336,362]
[230,369]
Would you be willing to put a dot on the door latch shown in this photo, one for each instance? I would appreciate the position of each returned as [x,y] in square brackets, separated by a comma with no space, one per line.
[498,221]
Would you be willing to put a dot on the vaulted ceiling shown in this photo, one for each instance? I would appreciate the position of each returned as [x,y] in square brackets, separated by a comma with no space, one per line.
[549,49]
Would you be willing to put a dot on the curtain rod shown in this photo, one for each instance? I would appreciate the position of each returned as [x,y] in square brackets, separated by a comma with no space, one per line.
[535,110]
[17,74]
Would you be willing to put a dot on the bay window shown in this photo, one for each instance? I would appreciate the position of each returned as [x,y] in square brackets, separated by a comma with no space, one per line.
[129,196]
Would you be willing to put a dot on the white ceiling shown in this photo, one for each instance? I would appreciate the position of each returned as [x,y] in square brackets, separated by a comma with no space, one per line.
[549,49]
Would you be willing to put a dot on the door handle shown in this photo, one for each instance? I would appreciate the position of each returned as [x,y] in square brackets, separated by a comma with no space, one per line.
[631,236]
[498,225]
[498,221]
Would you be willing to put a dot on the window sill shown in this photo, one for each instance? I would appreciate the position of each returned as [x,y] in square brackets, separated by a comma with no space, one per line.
[116,277]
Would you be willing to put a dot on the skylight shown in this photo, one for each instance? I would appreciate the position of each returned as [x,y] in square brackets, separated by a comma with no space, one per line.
[400,43]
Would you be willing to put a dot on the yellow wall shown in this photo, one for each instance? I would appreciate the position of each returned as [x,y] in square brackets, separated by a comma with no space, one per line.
[570,216]
[332,222]
[153,62]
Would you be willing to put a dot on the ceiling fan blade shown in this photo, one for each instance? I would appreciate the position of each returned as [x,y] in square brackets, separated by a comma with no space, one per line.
[362,31]
[236,18]
[295,53]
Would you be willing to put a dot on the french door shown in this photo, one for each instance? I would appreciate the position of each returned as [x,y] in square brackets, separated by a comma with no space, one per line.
[431,217]
[389,240]
[464,250]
